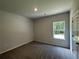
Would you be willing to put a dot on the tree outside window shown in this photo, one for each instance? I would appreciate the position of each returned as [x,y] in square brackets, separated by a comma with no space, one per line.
[59,30]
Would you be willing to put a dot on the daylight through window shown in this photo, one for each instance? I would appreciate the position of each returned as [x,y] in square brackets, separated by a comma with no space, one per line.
[59,30]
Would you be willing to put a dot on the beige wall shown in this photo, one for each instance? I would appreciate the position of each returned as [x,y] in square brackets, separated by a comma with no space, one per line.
[74,16]
[43,30]
[75,8]
[15,31]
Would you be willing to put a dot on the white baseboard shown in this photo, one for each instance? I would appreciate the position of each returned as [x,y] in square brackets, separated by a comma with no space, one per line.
[15,47]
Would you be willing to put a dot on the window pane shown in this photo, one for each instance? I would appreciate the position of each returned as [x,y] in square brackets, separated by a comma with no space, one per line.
[59,29]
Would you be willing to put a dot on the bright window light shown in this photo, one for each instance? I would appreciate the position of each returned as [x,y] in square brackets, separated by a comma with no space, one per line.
[59,30]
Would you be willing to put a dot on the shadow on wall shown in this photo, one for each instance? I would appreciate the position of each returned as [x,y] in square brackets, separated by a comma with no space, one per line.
[15,31]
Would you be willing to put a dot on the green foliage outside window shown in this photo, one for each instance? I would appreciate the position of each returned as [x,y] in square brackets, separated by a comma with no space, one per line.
[58,27]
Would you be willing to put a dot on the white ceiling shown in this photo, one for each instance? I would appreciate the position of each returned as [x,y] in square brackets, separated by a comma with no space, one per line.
[45,7]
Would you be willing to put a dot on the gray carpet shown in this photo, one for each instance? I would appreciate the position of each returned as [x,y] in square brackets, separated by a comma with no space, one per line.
[36,50]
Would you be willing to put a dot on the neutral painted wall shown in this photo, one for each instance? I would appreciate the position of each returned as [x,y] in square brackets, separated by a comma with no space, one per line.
[74,16]
[43,30]
[15,31]
[75,8]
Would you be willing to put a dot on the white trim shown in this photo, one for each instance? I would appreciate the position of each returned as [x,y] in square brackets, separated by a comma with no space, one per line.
[15,47]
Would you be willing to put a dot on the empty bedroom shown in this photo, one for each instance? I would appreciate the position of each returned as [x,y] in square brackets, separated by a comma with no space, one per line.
[39,29]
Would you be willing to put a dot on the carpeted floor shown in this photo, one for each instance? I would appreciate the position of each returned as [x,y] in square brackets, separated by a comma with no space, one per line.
[36,50]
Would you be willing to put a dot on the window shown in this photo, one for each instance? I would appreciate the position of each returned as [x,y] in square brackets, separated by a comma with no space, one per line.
[59,30]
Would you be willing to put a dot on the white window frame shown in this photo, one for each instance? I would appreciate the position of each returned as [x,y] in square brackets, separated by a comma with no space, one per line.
[63,38]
